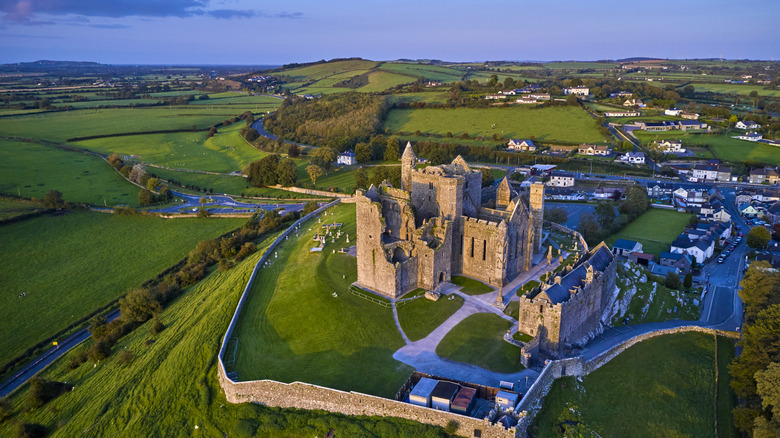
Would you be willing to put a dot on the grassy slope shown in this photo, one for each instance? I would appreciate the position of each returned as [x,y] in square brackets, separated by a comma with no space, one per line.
[73,264]
[420,317]
[429,72]
[660,301]
[32,170]
[10,209]
[478,340]
[225,152]
[382,80]
[663,225]
[548,124]
[293,328]
[661,387]
[63,125]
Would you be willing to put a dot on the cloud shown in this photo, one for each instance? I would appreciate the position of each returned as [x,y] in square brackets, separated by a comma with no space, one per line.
[26,11]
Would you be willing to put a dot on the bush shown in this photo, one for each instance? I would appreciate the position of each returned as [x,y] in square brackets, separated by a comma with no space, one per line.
[30,430]
[77,359]
[451,427]
[125,358]
[42,391]
[672,281]
[5,410]
[99,351]
[157,326]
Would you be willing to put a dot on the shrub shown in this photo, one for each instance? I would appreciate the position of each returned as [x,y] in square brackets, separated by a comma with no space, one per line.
[30,430]
[42,391]
[5,410]
[125,358]
[77,359]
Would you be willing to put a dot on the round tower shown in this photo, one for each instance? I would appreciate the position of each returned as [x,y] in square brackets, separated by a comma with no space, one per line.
[408,164]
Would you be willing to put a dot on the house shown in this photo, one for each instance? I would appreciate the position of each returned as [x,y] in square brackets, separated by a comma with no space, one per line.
[670,146]
[578,91]
[716,230]
[747,210]
[521,145]
[711,172]
[542,169]
[464,400]
[608,193]
[526,100]
[634,157]
[640,258]
[561,179]
[682,262]
[623,247]
[591,149]
[562,194]
[506,400]
[672,112]
[622,94]
[494,96]
[690,125]
[773,213]
[346,159]
[750,136]
[508,92]
[763,175]
[634,103]
[655,126]
[659,189]
[689,116]
[621,114]
[685,198]
[747,125]
[540,96]
[700,250]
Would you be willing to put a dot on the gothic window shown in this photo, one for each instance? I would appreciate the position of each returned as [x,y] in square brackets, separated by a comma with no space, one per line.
[430,185]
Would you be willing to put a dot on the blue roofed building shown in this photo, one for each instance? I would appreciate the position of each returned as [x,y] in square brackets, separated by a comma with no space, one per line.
[623,247]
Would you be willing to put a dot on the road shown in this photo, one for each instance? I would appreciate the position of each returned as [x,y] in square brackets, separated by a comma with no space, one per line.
[221,204]
[47,358]
[258,126]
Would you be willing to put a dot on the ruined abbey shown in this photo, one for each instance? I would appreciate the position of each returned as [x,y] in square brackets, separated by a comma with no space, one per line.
[436,225]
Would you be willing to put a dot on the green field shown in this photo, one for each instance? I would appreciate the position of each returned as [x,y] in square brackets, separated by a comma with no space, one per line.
[10,209]
[225,152]
[319,71]
[423,96]
[567,124]
[664,386]
[737,89]
[663,225]
[429,72]
[723,146]
[294,328]
[177,370]
[73,264]
[32,170]
[478,340]
[61,126]
[382,80]
[418,318]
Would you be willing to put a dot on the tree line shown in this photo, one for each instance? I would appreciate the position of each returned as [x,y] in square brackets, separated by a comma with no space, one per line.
[606,221]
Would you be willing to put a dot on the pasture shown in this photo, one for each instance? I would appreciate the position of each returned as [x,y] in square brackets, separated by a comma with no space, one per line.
[10,209]
[177,369]
[302,323]
[737,89]
[429,72]
[478,340]
[382,80]
[319,71]
[32,170]
[568,124]
[73,264]
[664,386]
[722,146]
[663,225]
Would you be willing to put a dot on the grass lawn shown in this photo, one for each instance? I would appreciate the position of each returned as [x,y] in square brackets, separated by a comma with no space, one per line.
[479,340]
[545,124]
[10,209]
[61,126]
[32,170]
[420,317]
[723,146]
[663,225]
[179,371]
[293,328]
[471,286]
[664,386]
[71,265]
[225,152]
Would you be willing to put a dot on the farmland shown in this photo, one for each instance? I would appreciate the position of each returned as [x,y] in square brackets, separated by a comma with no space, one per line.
[73,264]
[547,124]
[737,89]
[723,146]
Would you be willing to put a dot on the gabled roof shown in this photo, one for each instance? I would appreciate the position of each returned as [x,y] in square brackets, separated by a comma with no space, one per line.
[682,241]
[671,255]
[599,259]
[625,244]
[704,243]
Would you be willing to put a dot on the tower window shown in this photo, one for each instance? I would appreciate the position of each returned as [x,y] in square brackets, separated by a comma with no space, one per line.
[472,247]
[484,249]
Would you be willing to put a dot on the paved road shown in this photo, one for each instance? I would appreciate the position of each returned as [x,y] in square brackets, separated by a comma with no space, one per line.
[221,204]
[47,358]
[258,126]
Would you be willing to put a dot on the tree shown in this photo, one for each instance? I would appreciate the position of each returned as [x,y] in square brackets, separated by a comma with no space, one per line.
[636,202]
[293,151]
[97,326]
[688,282]
[605,211]
[314,172]
[53,199]
[324,158]
[572,100]
[589,228]
[672,281]
[137,174]
[152,183]
[768,388]
[391,151]
[733,121]
[361,179]
[557,215]
[362,153]
[144,197]
[758,237]
[487,177]
[285,172]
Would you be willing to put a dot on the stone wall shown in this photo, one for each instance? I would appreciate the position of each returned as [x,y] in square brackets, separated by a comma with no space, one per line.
[531,403]
[317,192]
[576,234]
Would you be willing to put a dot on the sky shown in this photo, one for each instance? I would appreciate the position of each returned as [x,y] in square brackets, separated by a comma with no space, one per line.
[268,33]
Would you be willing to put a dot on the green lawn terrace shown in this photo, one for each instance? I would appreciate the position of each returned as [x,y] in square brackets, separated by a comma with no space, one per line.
[672,385]
[656,229]
[564,124]
[302,323]
[72,264]
[31,170]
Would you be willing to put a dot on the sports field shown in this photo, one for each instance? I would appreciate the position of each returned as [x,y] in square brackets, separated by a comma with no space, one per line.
[665,386]
[656,229]
[302,323]
[567,124]
[32,170]
[71,265]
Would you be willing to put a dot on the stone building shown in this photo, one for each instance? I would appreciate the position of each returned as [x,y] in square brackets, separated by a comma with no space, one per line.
[567,311]
[435,226]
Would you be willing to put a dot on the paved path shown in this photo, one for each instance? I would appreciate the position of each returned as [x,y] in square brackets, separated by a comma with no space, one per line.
[398,324]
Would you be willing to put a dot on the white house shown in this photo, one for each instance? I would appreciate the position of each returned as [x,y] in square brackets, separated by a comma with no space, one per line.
[670,146]
[623,247]
[750,136]
[579,91]
[346,159]
[747,124]
[590,149]
[521,145]
[561,179]
[621,114]
[633,102]
[700,250]
[672,112]
[634,157]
